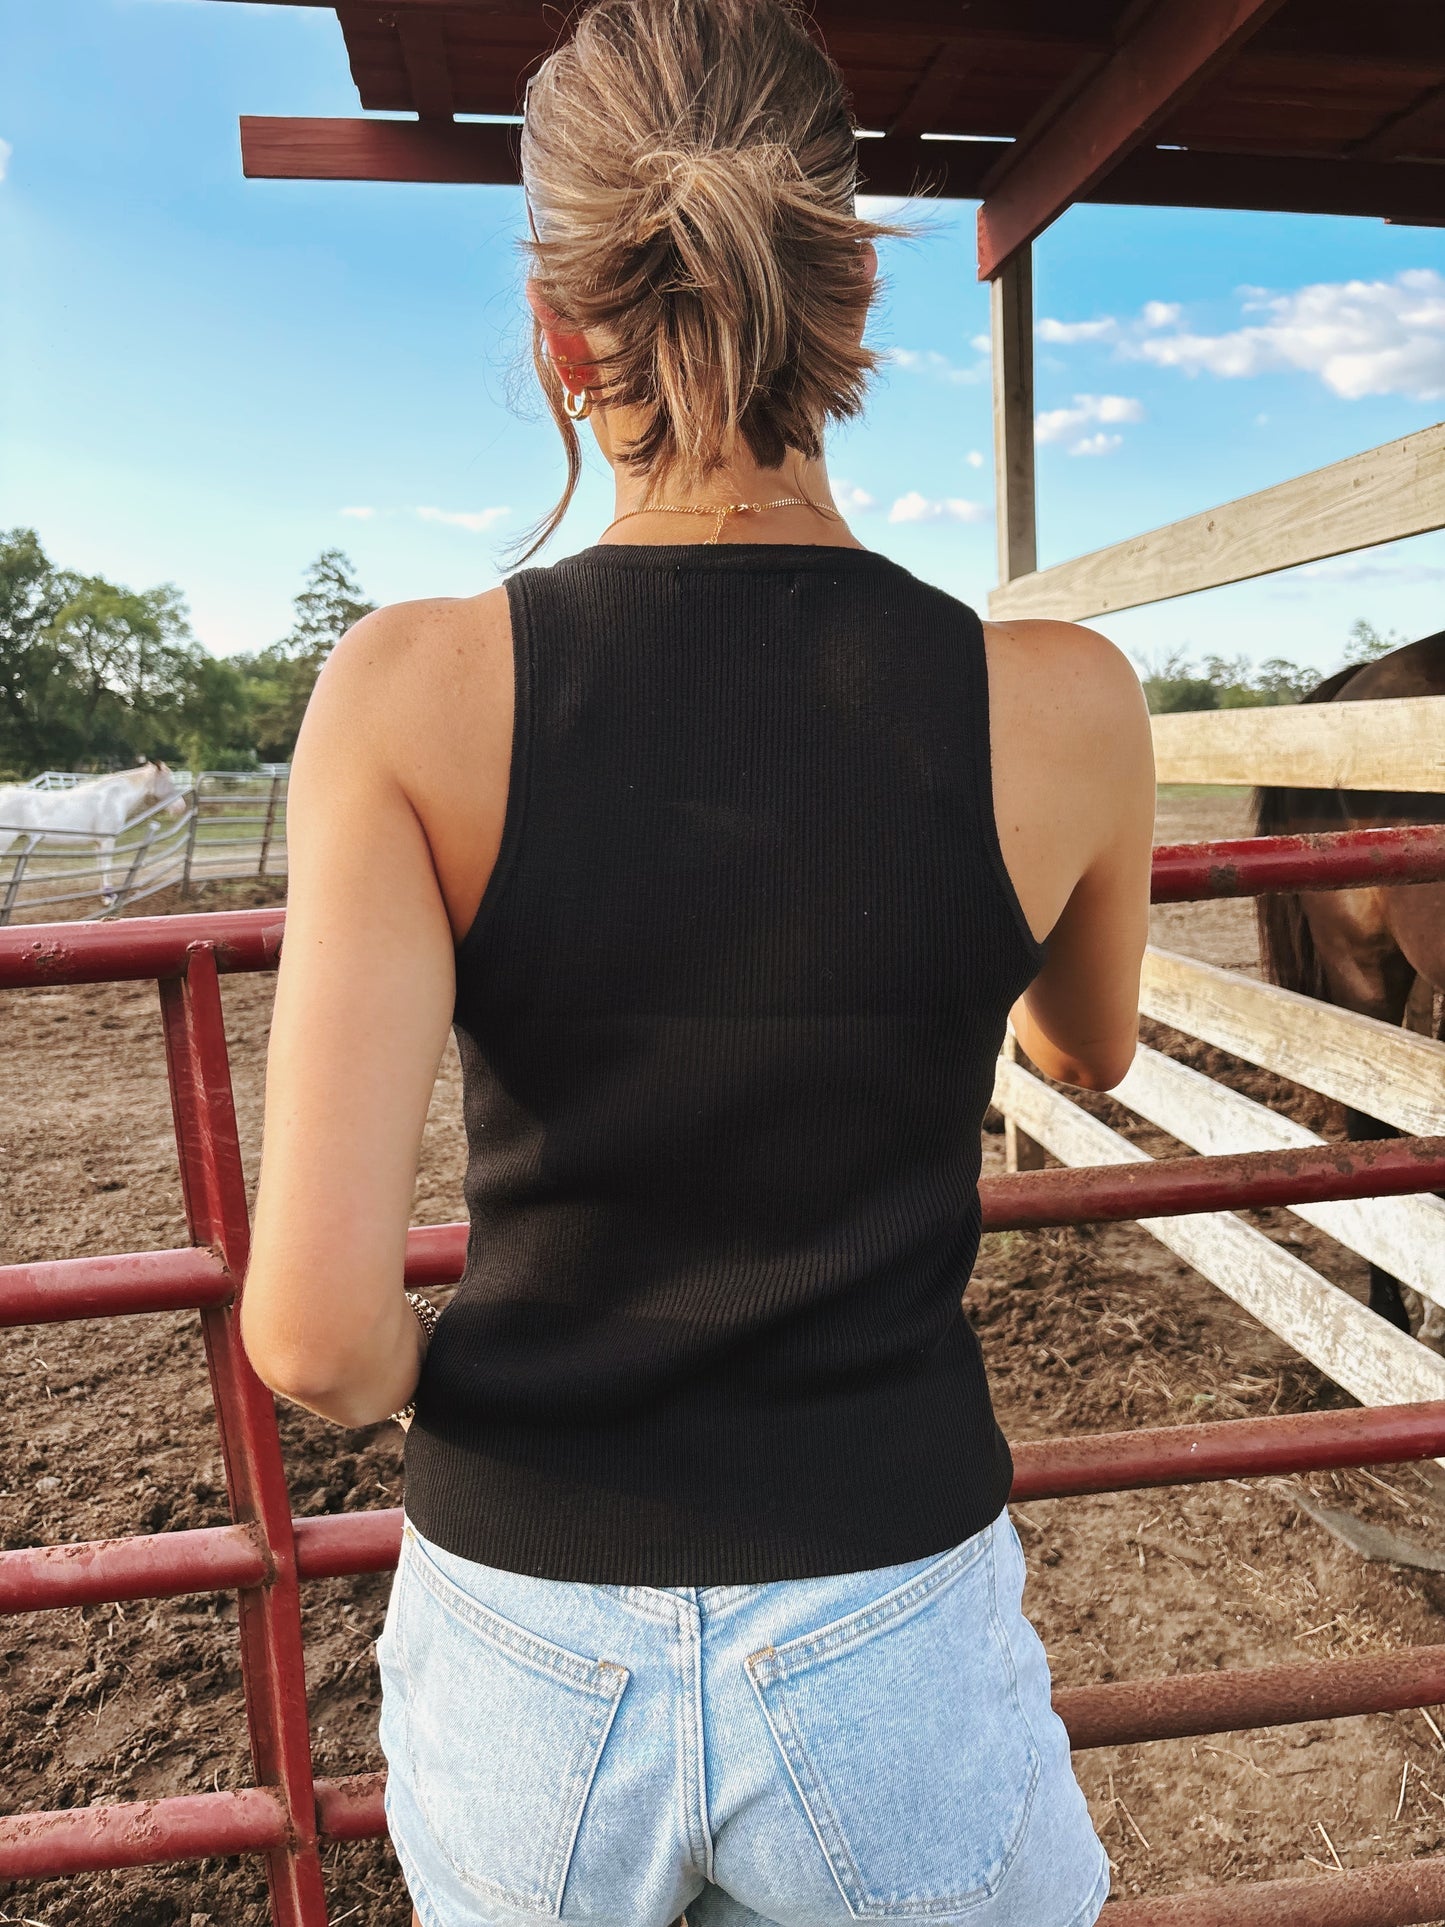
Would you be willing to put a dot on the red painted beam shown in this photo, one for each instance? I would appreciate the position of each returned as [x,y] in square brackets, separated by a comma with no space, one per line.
[1176,1187]
[351,1808]
[136,947]
[1341,860]
[288,149]
[156,1565]
[1173,50]
[1231,1701]
[1393,1893]
[64,1288]
[1227,1449]
[333,1545]
[140,1833]
[190,1826]
[481,154]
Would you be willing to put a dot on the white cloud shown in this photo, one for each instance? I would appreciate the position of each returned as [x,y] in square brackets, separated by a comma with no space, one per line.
[852,499]
[974,458]
[1057,424]
[1360,337]
[477,520]
[360,514]
[6,150]
[1161,314]
[1066,331]
[928,361]
[914,507]
[1101,443]
[980,344]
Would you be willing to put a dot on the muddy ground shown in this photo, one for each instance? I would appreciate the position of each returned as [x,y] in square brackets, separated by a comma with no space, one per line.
[107,1428]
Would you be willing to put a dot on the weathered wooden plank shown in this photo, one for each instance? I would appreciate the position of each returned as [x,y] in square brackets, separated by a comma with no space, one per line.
[1406,1236]
[1011,322]
[1371,1359]
[1395,490]
[1386,745]
[1378,1068]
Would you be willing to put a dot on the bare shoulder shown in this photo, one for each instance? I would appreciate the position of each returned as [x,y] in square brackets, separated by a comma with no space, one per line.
[408,677]
[1048,677]
[402,645]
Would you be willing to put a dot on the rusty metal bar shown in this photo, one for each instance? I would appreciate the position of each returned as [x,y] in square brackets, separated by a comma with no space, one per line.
[1236,1180]
[155,1565]
[162,1565]
[351,1808]
[334,1545]
[1230,1701]
[109,1287]
[272,1665]
[1397,1893]
[142,1833]
[1227,1449]
[55,953]
[1338,860]
[101,1287]
[190,1826]
[137,947]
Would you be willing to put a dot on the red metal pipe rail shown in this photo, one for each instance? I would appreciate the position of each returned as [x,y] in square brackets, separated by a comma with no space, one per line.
[1396,1893]
[140,947]
[63,1289]
[1338,860]
[1236,1180]
[335,1545]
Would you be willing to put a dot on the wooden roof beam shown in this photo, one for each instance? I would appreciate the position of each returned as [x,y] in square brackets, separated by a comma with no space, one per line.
[1170,52]
[485,152]
[423,48]
[1423,116]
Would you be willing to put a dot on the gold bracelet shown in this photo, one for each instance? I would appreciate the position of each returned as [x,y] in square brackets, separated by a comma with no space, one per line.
[427,1316]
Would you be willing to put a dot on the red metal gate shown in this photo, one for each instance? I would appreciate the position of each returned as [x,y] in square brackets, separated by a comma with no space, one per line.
[265,1554]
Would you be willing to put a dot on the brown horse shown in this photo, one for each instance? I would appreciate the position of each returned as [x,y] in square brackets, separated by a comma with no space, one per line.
[1378,950]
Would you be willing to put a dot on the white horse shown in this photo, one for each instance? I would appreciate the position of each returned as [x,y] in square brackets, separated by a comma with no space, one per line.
[97,809]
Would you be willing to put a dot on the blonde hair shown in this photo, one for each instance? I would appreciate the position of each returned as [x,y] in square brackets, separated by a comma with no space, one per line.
[690,169]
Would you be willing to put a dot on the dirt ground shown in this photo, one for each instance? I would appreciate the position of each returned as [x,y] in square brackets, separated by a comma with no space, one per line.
[107,1428]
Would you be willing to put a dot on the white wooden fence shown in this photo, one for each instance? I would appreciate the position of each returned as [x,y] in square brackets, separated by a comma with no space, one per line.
[1382,1070]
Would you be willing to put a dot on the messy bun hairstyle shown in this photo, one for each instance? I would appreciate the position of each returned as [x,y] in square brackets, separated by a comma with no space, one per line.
[690,169]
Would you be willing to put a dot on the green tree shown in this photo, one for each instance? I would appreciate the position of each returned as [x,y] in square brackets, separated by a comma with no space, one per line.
[1365,642]
[1174,684]
[38,700]
[279,679]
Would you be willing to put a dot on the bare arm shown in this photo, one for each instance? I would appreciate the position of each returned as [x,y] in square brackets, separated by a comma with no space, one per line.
[1076,816]
[363,1007]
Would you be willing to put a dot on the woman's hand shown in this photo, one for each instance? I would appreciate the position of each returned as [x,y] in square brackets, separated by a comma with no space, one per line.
[364,1002]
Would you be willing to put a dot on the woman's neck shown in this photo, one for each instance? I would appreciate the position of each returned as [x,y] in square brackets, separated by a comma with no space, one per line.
[789,504]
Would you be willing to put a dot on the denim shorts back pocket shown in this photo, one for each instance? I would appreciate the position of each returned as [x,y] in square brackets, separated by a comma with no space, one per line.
[902,1730]
[504,1734]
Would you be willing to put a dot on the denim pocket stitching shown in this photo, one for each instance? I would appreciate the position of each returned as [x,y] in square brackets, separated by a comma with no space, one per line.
[602,1682]
[841,1635]
[768,1668]
[515,1641]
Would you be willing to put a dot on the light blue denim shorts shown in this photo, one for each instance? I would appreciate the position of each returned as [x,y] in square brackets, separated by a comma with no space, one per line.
[872,1745]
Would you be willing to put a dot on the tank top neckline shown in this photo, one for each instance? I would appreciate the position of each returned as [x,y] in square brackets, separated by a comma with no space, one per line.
[746,555]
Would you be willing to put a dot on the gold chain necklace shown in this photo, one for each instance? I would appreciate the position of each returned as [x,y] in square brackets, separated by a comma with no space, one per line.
[722,510]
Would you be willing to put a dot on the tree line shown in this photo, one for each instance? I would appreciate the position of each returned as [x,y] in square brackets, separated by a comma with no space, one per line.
[1233,682]
[96,676]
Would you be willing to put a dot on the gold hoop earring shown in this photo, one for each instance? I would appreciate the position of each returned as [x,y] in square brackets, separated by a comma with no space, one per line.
[577,404]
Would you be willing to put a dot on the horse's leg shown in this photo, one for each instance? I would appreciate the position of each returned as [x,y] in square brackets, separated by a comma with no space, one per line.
[106,846]
[1366,971]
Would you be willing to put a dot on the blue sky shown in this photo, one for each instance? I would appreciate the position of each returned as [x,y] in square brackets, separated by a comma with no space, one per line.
[204,378]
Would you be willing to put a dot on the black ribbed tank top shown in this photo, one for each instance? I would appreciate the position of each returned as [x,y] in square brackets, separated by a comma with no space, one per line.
[728,1017]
